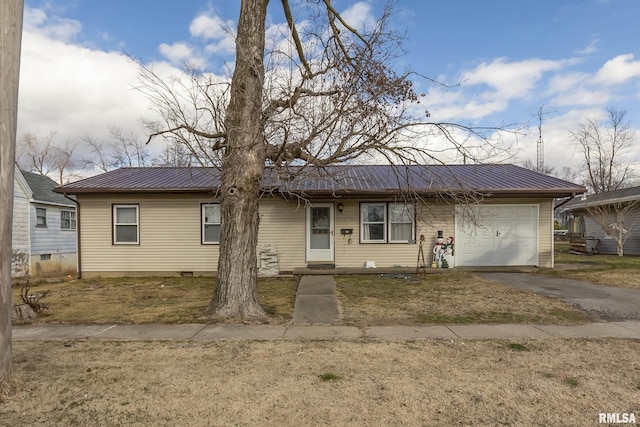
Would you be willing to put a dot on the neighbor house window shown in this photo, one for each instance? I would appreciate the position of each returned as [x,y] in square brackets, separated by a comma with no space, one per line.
[126,225]
[387,222]
[41,217]
[210,223]
[68,220]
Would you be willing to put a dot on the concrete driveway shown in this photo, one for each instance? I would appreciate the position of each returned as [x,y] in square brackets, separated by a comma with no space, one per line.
[608,303]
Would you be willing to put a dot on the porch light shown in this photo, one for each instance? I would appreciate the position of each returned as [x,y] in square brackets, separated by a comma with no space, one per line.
[340,207]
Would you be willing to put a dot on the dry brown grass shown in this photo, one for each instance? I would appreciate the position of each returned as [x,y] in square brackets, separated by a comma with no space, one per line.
[426,383]
[609,270]
[149,299]
[454,297]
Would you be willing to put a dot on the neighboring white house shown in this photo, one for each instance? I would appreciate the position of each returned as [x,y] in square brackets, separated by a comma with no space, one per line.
[44,228]
[587,214]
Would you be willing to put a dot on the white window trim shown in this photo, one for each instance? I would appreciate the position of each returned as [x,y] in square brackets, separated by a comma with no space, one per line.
[203,223]
[137,223]
[72,220]
[363,223]
[387,223]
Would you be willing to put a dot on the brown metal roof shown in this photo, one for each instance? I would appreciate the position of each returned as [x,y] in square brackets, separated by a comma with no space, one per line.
[499,179]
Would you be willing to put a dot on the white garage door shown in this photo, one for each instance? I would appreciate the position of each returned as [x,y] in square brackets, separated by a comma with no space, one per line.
[497,235]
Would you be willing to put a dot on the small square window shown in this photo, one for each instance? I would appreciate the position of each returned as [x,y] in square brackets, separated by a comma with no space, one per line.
[41,218]
[126,230]
[45,257]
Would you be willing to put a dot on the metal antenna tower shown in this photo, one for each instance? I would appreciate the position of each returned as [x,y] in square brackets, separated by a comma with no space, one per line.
[540,151]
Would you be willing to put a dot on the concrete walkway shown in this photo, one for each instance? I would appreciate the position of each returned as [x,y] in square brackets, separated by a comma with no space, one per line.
[316,301]
[200,332]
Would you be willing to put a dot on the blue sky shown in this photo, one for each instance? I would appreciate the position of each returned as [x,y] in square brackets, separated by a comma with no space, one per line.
[574,57]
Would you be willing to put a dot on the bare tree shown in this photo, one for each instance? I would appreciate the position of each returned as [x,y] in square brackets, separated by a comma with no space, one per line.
[528,164]
[47,156]
[611,217]
[604,146]
[327,93]
[10,41]
[122,150]
[176,154]
[568,174]
[100,158]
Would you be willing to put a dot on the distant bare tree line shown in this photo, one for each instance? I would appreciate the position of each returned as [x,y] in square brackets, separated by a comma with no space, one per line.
[64,159]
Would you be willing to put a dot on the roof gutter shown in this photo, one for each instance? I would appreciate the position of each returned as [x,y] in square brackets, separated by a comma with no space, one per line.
[570,198]
[78,251]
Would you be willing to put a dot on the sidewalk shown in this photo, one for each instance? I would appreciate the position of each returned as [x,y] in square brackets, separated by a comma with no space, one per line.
[200,332]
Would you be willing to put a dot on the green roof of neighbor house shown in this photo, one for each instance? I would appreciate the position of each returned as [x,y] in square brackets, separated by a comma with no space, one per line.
[42,188]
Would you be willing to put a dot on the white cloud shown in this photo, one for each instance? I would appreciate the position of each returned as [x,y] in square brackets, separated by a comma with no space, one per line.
[562,83]
[618,70]
[224,46]
[181,53]
[54,27]
[359,16]
[177,52]
[591,48]
[211,27]
[511,79]
[82,91]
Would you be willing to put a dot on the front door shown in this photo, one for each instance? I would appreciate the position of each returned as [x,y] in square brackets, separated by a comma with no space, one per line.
[320,232]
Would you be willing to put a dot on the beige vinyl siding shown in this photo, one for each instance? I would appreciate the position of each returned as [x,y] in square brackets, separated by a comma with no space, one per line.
[282,224]
[170,241]
[349,252]
[169,236]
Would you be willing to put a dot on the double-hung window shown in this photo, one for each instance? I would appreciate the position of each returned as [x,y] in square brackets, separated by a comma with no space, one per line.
[373,227]
[67,220]
[401,222]
[126,225]
[387,222]
[41,218]
[210,223]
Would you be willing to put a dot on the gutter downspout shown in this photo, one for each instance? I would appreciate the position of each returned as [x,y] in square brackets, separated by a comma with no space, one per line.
[573,196]
[78,252]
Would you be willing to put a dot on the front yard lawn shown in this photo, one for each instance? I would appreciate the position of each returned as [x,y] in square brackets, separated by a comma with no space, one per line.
[451,297]
[148,299]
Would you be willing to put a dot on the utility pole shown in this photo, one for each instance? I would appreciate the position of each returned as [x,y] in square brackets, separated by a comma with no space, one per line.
[10,41]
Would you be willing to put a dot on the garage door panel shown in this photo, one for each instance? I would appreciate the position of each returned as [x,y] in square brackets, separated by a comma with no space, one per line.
[508,235]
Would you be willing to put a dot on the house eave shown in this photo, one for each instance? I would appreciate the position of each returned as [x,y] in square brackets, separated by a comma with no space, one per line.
[586,203]
[340,193]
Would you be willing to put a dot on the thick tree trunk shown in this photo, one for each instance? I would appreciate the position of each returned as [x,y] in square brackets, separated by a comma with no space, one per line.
[242,170]
[10,39]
